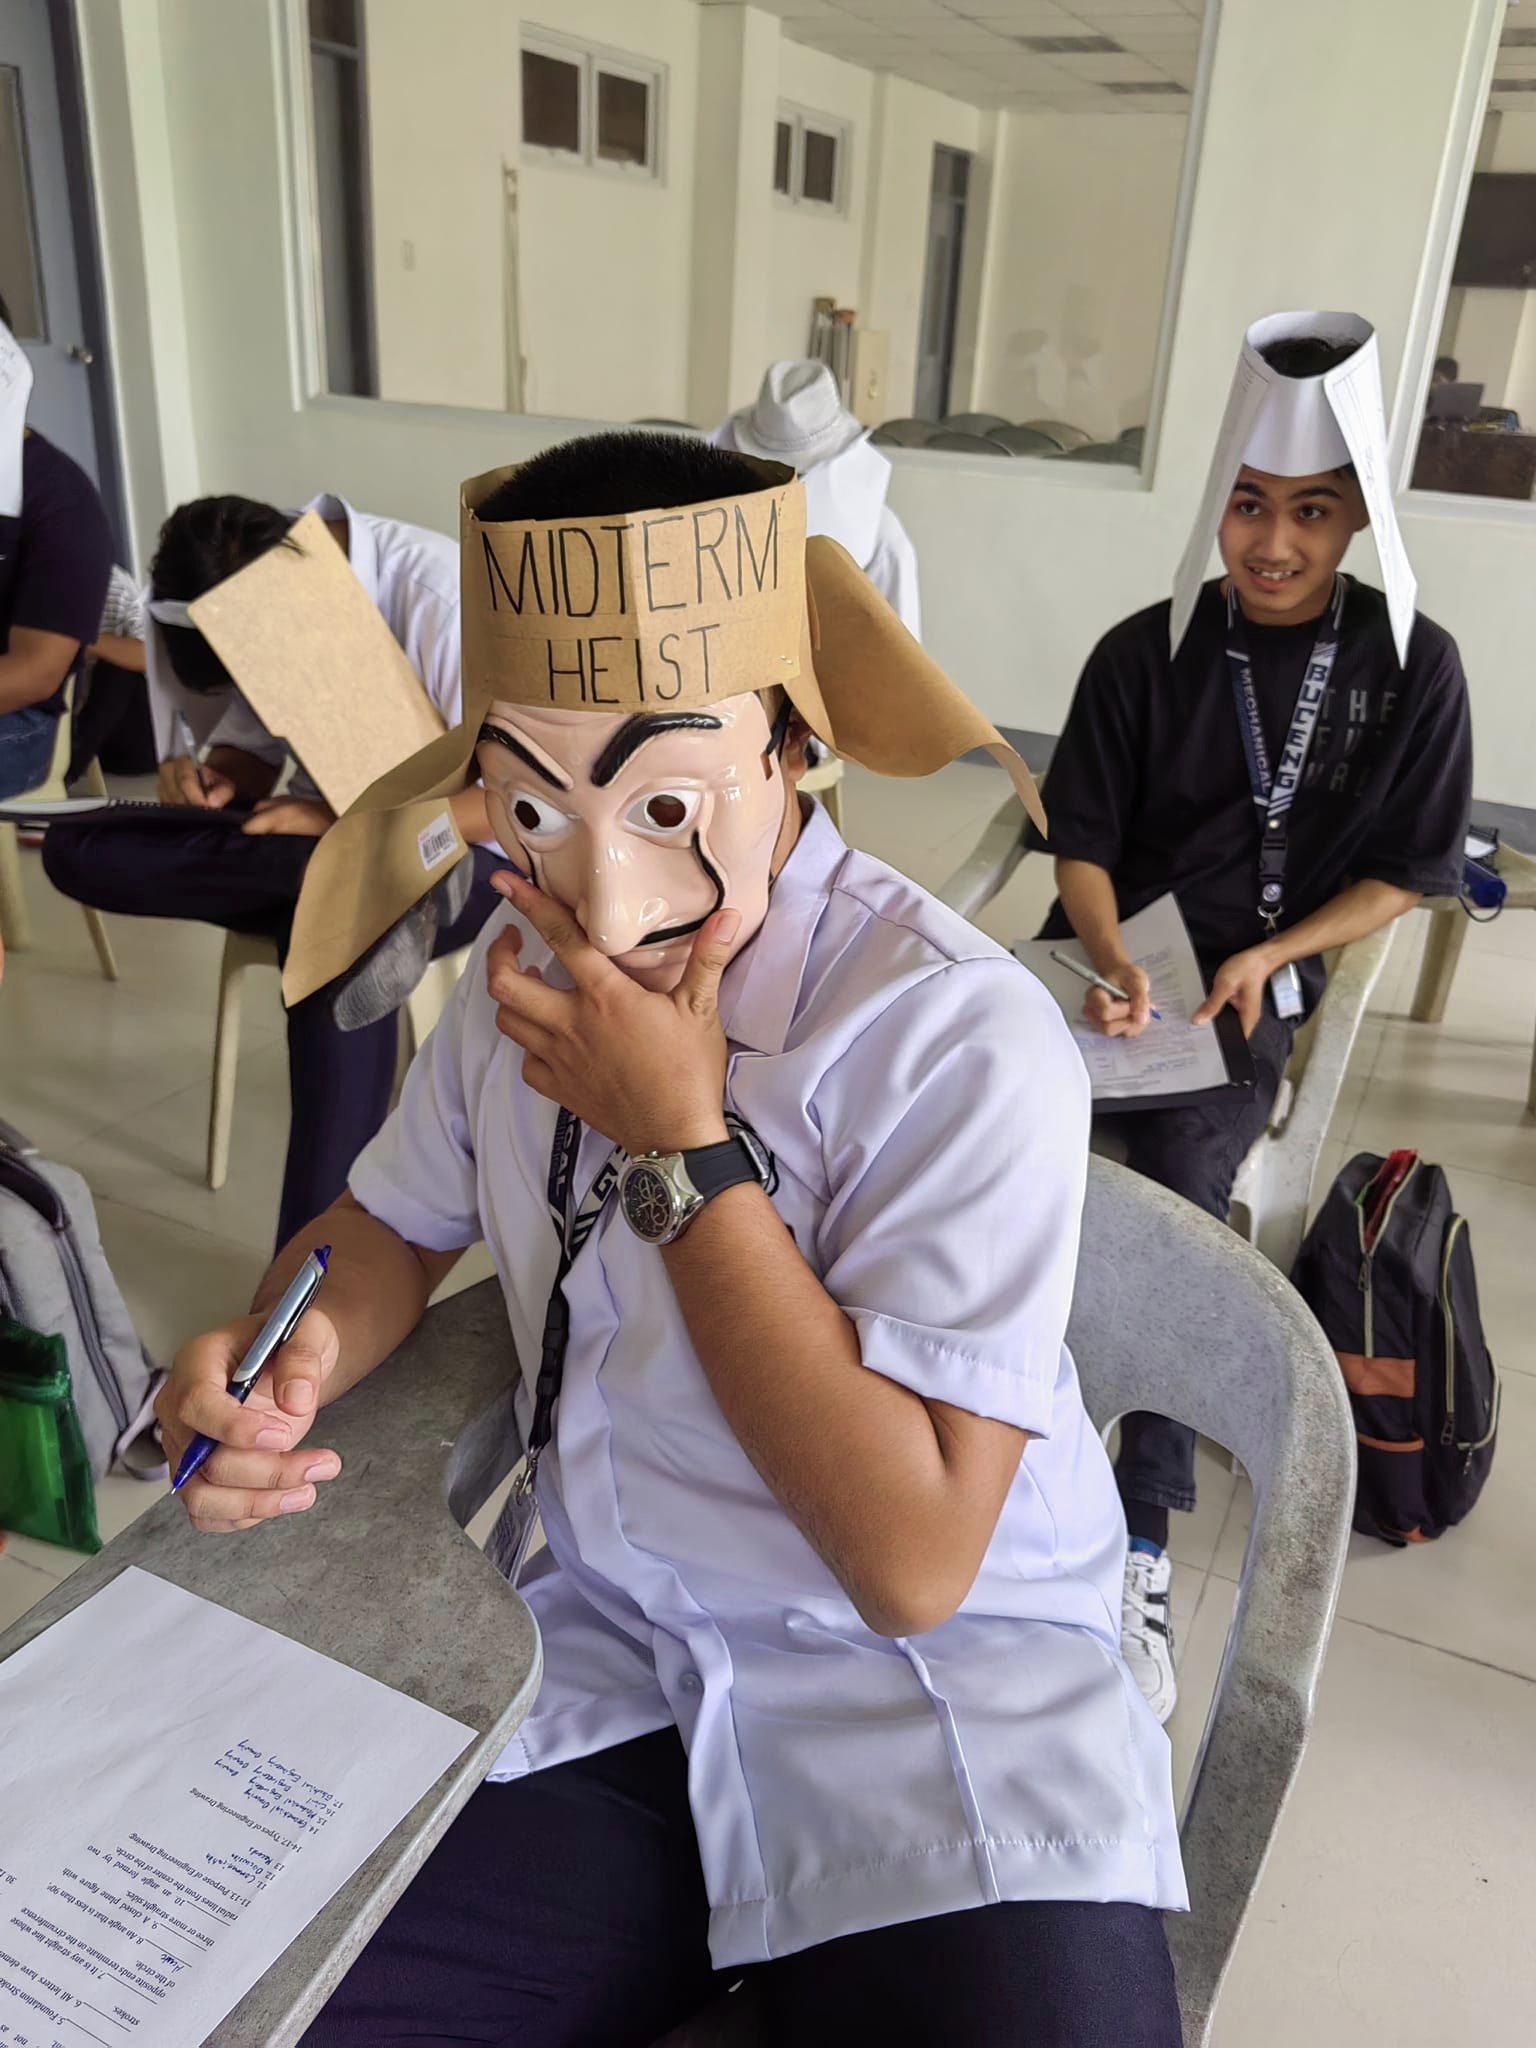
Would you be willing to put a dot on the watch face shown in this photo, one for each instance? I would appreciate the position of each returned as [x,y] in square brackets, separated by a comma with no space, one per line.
[650,1207]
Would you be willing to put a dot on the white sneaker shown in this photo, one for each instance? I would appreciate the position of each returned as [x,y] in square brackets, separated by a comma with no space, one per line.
[1146,1629]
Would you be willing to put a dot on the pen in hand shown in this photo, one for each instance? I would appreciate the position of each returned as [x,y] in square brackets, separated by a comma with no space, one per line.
[188,744]
[273,1334]
[1096,980]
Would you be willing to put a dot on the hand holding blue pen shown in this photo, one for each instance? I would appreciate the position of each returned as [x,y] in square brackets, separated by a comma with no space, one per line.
[273,1334]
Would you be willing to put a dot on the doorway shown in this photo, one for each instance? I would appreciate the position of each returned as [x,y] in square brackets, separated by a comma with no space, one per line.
[941,282]
[49,275]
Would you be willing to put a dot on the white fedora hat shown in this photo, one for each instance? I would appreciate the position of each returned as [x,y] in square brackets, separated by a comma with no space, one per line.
[798,417]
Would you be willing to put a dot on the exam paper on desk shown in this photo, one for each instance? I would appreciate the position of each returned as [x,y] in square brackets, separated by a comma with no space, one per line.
[181,1791]
[1172,1057]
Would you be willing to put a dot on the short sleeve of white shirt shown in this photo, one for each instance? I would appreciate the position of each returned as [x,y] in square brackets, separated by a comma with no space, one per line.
[418,1175]
[955,1135]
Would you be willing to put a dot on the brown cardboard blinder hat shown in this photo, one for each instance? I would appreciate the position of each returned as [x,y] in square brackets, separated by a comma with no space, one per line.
[643,611]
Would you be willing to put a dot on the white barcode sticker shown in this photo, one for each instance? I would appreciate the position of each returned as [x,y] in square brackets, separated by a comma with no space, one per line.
[437,842]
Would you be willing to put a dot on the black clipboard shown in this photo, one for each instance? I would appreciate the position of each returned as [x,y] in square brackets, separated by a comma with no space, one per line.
[1242,1076]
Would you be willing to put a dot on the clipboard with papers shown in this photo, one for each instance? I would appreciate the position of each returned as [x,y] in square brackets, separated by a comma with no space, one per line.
[1173,1062]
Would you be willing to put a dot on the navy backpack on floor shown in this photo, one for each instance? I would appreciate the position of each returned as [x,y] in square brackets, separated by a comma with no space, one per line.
[1387,1270]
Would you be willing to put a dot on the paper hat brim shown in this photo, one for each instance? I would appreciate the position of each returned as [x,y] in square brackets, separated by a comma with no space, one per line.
[865,687]
[1301,426]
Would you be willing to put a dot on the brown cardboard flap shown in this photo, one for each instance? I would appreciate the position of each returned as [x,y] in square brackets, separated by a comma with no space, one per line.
[309,650]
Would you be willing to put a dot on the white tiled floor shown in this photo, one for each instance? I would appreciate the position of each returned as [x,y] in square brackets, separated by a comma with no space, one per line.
[1396,1905]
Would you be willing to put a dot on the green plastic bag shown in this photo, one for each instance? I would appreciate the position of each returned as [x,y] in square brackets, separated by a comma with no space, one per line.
[46,1489]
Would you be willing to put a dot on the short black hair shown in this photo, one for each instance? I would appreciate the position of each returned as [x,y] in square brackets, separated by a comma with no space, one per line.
[1448,368]
[605,473]
[1307,355]
[200,544]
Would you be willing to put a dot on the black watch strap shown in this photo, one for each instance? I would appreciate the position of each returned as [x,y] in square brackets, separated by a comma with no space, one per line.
[740,1157]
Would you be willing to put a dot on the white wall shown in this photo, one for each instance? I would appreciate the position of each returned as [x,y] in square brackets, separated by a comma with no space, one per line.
[813,253]
[603,259]
[1024,565]
[1084,217]
[909,122]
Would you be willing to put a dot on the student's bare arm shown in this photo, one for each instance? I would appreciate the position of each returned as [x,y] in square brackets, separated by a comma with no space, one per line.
[899,1495]
[121,650]
[1087,895]
[376,1289]
[33,666]
[1357,911]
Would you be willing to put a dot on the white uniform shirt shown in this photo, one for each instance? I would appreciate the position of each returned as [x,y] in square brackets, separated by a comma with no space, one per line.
[412,575]
[929,1116]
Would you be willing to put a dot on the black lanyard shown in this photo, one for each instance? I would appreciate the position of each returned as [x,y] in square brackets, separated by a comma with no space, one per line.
[574,1226]
[1274,790]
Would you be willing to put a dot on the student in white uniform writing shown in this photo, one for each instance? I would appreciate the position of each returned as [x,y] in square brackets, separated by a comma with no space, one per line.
[239,859]
[781,1165]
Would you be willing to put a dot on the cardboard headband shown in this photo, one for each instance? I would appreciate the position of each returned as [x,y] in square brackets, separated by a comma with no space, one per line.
[1301,426]
[644,611]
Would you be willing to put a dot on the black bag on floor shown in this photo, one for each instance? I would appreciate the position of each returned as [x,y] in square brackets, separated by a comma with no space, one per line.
[1387,1270]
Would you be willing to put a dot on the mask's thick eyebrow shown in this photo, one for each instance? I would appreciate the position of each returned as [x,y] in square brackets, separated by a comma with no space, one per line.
[527,756]
[634,732]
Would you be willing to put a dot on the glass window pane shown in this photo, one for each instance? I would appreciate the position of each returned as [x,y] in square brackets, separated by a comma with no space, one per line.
[623,117]
[1478,437]
[783,146]
[335,22]
[551,102]
[819,179]
[21,286]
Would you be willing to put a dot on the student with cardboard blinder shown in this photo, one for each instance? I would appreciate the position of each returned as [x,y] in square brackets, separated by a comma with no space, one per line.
[323,646]
[781,1166]
[1287,750]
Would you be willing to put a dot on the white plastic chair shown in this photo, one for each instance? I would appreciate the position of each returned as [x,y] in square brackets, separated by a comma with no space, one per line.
[1273,1190]
[1172,1313]
[423,1007]
[825,780]
[15,924]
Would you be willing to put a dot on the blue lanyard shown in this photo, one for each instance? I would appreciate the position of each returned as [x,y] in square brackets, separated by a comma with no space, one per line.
[1274,790]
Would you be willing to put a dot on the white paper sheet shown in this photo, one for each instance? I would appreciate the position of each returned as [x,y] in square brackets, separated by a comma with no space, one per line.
[181,1791]
[1171,1057]
[15,389]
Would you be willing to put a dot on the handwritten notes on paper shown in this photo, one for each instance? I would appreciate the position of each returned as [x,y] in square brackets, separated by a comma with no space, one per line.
[180,1793]
[1170,1057]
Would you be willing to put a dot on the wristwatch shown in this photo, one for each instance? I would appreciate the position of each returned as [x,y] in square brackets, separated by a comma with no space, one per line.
[660,1193]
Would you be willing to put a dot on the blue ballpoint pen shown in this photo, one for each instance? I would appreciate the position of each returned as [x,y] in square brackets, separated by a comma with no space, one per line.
[185,740]
[275,1331]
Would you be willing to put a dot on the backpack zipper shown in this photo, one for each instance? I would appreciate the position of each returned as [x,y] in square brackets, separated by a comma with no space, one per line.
[1368,1253]
[1448,1427]
[85,1316]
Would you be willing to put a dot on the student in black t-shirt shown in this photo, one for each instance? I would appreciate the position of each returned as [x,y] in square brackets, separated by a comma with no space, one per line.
[56,555]
[1150,790]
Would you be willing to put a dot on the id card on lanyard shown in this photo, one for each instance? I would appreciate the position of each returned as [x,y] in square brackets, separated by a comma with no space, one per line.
[1275,789]
[574,1223]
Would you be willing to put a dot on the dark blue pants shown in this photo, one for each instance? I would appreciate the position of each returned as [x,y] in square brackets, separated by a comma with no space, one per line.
[339,1082]
[1196,1152]
[26,748]
[567,1910]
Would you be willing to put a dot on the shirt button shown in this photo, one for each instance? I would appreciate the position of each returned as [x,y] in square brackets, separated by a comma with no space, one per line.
[691,1682]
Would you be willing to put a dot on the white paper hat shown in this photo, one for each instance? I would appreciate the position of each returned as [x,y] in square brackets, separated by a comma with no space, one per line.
[15,389]
[798,416]
[1299,426]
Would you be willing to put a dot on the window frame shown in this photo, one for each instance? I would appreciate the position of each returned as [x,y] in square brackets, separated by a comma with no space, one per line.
[590,60]
[798,119]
